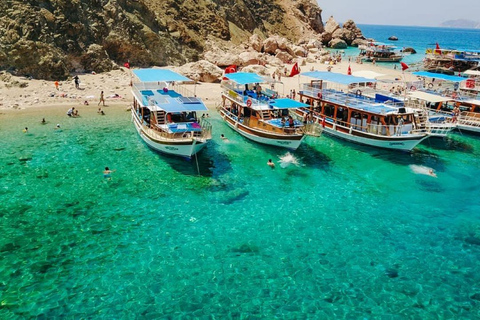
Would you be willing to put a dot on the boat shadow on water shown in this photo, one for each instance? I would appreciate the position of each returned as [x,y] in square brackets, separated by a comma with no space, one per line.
[451,143]
[207,163]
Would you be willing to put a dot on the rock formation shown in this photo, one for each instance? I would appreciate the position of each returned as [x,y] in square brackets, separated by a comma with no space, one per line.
[50,39]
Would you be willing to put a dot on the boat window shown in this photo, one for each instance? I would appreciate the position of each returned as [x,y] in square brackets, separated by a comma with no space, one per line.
[329,109]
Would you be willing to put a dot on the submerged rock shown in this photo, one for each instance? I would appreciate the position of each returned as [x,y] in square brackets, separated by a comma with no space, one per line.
[472,240]
[411,50]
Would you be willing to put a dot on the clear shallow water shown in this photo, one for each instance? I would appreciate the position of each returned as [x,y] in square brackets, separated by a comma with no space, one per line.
[351,232]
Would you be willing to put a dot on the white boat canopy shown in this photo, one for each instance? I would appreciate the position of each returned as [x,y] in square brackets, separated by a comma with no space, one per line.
[472,72]
[337,77]
[428,97]
[368,74]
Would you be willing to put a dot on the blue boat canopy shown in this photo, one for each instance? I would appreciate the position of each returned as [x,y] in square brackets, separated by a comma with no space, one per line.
[159,75]
[439,76]
[286,103]
[245,78]
[336,77]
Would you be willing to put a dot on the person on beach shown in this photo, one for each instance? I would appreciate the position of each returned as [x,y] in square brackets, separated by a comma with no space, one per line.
[75,114]
[57,126]
[77,82]
[56,85]
[70,111]
[100,112]
[107,173]
[43,121]
[85,102]
[270,163]
[102,99]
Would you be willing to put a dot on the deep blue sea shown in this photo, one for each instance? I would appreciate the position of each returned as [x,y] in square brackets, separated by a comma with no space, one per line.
[348,232]
[421,38]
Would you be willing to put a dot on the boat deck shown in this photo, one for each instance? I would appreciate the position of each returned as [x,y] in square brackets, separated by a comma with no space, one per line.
[171,101]
[352,100]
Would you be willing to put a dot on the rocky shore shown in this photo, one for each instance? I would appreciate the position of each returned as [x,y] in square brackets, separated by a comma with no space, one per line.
[54,39]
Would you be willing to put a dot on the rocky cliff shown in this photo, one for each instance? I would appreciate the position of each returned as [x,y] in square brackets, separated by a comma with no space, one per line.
[51,38]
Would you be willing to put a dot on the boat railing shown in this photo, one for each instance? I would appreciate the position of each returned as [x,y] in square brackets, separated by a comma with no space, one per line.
[241,99]
[371,128]
[469,118]
[204,134]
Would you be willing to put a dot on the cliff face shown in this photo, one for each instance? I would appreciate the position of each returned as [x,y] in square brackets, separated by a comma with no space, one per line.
[51,38]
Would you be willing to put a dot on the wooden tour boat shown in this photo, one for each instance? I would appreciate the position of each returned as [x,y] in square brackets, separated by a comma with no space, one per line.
[165,113]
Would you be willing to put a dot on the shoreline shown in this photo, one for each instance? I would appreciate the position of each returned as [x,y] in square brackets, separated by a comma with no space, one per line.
[41,94]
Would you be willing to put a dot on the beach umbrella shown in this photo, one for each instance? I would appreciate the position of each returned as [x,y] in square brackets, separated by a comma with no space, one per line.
[404,66]
[349,71]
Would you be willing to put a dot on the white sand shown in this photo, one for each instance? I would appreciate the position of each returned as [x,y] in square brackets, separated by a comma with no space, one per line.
[41,93]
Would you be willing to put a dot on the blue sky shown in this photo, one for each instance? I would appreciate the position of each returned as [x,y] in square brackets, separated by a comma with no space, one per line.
[405,12]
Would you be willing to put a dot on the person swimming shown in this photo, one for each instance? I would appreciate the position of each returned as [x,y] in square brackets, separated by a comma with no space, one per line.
[423,170]
[25,130]
[270,163]
[107,173]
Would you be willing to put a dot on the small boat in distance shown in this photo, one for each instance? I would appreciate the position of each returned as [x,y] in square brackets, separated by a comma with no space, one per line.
[450,61]
[379,52]
[256,112]
[350,115]
[165,113]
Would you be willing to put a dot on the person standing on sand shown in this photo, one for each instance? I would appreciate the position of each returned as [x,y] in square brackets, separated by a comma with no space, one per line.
[102,99]
[56,85]
[77,82]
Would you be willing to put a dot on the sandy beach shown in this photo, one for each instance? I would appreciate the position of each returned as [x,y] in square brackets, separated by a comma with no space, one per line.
[20,94]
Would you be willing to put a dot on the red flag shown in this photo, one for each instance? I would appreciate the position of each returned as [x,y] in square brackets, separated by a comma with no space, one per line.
[295,70]
[231,69]
[437,48]
[349,71]
[404,66]
[126,65]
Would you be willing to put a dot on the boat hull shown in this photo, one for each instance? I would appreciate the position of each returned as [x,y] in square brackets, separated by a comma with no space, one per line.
[179,147]
[392,143]
[468,128]
[290,142]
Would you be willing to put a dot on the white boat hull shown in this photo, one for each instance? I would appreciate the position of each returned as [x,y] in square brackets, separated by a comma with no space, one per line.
[179,147]
[468,128]
[292,144]
[393,143]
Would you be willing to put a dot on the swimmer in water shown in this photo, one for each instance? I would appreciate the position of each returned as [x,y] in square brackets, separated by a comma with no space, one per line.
[271,164]
[107,173]
[423,170]
[25,130]
[57,126]
[222,136]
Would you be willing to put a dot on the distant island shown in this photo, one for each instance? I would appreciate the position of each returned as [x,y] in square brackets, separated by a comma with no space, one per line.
[461,23]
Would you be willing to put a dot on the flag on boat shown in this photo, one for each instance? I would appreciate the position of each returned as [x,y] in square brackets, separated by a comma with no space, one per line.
[404,66]
[127,65]
[295,70]
[349,71]
[437,48]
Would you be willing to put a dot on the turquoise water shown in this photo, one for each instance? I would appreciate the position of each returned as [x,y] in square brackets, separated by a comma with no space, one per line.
[351,232]
[420,38]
